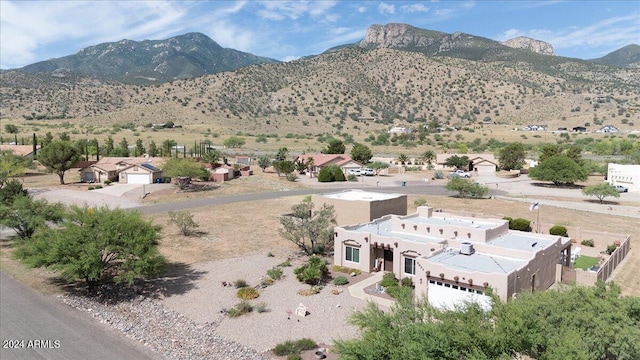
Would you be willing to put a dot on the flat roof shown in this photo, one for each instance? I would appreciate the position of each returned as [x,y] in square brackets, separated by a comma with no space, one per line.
[361,195]
[481,262]
[383,228]
[476,224]
[522,241]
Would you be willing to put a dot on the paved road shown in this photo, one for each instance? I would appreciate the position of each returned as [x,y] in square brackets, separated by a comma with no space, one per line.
[65,333]
[410,189]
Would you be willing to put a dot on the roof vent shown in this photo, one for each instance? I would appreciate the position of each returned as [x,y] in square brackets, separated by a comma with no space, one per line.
[466,248]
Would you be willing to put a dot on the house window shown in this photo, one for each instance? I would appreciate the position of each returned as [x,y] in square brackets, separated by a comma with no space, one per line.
[352,254]
[409,266]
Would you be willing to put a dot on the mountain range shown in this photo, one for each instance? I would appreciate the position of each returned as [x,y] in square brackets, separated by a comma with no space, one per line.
[194,54]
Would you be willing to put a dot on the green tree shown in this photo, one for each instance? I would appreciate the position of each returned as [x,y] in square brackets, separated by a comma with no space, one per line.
[558,169]
[378,165]
[123,148]
[600,191]
[286,167]
[10,190]
[335,146]
[181,167]
[108,146]
[184,221]
[511,157]
[96,245]
[48,138]
[428,157]
[311,231]
[139,150]
[25,215]
[234,142]
[167,146]
[458,162]
[331,173]
[313,271]
[264,161]
[549,150]
[11,128]
[59,156]
[467,188]
[212,157]
[403,159]
[11,165]
[361,153]
[153,149]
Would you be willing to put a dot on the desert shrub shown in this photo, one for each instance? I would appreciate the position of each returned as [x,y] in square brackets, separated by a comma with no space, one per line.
[290,347]
[558,230]
[406,282]
[325,175]
[308,292]
[611,248]
[240,283]
[340,280]
[90,188]
[269,254]
[587,242]
[267,281]
[520,224]
[388,279]
[247,293]
[285,263]
[107,182]
[399,291]
[337,268]
[261,308]
[275,273]
[312,271]
[352,177]
[355,271]
[420,202]
[240,309]
[438,175]
[294,357]
[98,187]
[292,177]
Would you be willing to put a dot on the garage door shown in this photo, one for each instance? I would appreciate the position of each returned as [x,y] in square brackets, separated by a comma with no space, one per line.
[450,296]
[138,179]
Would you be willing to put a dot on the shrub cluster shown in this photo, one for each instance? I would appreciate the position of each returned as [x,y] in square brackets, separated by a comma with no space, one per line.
[340,280]
[396,288]
[587,242]
[311,272]
[558,230]
[240,309]
[247,293]
[519,224]
[240,283]
[294,347]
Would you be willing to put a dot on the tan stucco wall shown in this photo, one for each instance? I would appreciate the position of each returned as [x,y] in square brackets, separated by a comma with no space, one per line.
[349,212]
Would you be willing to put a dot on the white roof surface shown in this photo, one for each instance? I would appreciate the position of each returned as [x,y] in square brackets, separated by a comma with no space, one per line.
[361,195]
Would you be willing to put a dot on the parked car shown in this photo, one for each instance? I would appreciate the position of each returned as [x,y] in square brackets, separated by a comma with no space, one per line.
[368,172]
[355,172]
[621,188]
[459,173]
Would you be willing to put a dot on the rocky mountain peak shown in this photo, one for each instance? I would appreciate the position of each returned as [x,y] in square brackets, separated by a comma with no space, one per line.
[533,45]
[397,36]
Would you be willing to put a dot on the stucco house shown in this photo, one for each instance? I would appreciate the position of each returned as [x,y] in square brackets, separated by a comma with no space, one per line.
[625,175]
[608,129]
[453,259]
[126,170]
[344,161]
[481,164]
[360,206]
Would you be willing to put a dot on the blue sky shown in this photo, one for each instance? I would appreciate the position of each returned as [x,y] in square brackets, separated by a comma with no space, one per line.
[32,31]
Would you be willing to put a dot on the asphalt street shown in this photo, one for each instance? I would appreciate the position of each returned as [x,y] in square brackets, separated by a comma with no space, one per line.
[33,326]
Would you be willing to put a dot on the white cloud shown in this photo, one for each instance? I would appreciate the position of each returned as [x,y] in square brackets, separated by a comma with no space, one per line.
[361,9]
[414,8]
[338,30]
[386,9]
[231,36]
[293,10]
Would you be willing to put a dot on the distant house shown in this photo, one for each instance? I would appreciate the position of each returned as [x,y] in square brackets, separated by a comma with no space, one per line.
[579,129]
[126,170]
[400,130]
[625,175]
[608,129]
[344,161]
[19,150]
[534,128]
[482,164]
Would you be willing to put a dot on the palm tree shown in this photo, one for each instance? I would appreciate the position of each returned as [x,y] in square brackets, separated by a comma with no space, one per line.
[428,157]
[402,159]
[212,157]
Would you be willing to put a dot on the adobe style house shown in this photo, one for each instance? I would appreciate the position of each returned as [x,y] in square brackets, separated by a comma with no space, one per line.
[360,206]
[344,161]
[481,164]
[625,175]
[126,170]
[453,259]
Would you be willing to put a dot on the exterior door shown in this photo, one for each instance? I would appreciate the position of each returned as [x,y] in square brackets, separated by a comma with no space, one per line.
[388,260]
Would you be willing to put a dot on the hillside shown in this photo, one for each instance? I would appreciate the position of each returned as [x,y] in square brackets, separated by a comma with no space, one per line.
[344,90]
[628,56]
[151,61]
